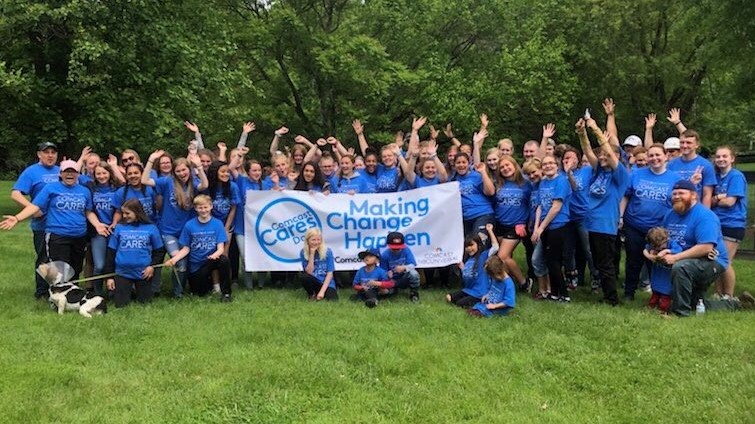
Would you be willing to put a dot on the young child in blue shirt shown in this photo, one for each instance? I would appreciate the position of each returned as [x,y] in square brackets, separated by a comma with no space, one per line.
[202,240]
[501,297]
[398,261]
[371,281]
[476,282]
[660,275]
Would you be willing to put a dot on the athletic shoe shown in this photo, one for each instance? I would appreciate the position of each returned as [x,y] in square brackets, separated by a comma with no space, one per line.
[564,299]
[371,303]
[541,296]
[526,286]
[595,285]
[226,298]
[414,297]
[571,282]
[746,300]
[553,298]
[645,287]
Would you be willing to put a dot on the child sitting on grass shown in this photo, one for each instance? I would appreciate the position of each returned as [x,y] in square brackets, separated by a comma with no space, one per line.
[476,283]
[501,297]
[398,260]
[370,280]
[659,244]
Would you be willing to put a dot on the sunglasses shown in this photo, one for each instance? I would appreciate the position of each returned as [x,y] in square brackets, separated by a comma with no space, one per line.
[127,159]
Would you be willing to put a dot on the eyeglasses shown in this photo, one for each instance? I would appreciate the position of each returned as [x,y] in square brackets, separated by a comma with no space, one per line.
[127,159]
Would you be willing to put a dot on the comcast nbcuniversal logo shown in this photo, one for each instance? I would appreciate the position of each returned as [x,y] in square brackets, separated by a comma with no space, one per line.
[281,226]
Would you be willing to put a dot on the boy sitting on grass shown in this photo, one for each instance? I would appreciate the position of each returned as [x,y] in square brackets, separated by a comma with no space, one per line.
[370,280]
[398,260]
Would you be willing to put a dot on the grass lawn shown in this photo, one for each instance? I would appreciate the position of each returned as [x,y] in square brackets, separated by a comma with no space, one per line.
[271,356]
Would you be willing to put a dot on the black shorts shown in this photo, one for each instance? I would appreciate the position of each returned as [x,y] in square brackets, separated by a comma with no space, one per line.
[735,235]
[506,231]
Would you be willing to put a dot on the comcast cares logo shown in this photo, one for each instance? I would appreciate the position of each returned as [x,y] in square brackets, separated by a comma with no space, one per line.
[281,226]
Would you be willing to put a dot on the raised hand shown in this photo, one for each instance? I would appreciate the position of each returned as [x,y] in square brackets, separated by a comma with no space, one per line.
[418,123]
[157,154]
[398,139]
[242,151]
[193,158]
[580,126]
[321,142]
[433,133]
[357,125]
[432,147]
[591,123]
[489,227]
[222,147]
[85,152]
[697,176]
[248,127]
[483,121]
[191,126]
[549,130]
[351,151]
[448,131]
[609,106]
[301,139]
[112,160]
[332,140]
[674,115]
[480,167]
[281,131]
[650,120]
[479,137]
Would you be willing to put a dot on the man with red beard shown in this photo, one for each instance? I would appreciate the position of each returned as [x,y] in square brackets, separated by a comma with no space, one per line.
[703,258]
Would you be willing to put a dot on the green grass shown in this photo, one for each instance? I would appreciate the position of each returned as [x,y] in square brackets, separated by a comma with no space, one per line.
[271,356]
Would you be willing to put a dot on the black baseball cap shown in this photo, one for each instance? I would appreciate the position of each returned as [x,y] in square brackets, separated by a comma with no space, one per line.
[369,252]
[396,240]
[46,145]
[685,185]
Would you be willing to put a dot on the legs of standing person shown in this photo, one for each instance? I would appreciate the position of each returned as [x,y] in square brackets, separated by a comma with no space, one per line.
[553,243]
[602,247]
[178,276]
[570,250]
[634,243]
[67,249]
[540,269]
[529,250]
[690,279]
[583,250]
[506,253]
[98,248]
[41,286]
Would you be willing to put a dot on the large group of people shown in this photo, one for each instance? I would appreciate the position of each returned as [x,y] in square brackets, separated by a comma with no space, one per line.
[678,216]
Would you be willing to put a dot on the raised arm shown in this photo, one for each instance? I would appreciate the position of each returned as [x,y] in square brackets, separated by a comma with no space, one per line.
[488,187]
[146,178]
[605,145]
[359,130]
[313,151]
[549,130]
[448,131]
[245,130]
[237,161]
[432,148]
[113,162]
[85,152]
[675,117]
[585,143]
[610,108]
[193,159]
[197,135]
[276,139]
[650,121]
[478,139]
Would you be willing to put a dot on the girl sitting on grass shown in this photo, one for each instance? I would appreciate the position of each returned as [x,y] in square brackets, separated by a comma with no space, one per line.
[476,282]
[501,298]
[318,264]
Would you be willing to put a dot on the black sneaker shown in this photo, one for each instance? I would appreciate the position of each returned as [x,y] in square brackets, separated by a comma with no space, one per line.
[564,299]
[226,298]
[371,303]
[526,286]
[414,297]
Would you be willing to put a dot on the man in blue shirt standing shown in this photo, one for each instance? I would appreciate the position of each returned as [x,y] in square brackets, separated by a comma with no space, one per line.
[703,258]
[30,183]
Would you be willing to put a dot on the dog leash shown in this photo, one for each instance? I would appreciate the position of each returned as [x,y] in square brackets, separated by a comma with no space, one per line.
[112,274]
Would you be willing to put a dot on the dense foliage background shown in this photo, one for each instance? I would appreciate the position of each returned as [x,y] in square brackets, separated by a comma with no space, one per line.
[120,73]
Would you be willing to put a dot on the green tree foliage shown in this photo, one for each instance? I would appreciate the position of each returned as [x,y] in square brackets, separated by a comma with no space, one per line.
[124,73]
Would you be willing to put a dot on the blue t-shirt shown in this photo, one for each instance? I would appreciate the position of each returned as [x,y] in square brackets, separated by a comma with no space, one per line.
[202,240]
[31,181]
[221,204]
[172,217]
[102,198]
[649,198]
[244,184]
[283,183]
[355,182]
[685,169]
[606,190]
[473,275]
[390,260]
[322,266]
[147,196]
[363,277]
[534,203]
[699,225]
[512,204]
[501,291]
[660,274]
[733,184]
[133,245]
[420,181]
[556,188]
[474,202]
[387,179]
[578,202]
[65,208]
[370,180]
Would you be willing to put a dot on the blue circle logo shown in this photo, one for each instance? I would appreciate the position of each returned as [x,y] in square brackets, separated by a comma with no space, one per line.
[281,226]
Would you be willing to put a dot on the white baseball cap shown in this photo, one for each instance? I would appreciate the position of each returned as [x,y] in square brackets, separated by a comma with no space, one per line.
[672,143]
[632,140]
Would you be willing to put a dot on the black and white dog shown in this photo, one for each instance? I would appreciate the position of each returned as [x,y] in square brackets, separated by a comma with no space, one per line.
[68,296]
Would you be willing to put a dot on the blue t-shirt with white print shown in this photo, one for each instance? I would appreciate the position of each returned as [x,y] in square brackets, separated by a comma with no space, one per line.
[133,244]
[699,225]
[202,240]
[65,208]
[550,189]
[31,181]
[501,291]
[649,198]
[606,190]
[322,266]
[474,202]
[733,184]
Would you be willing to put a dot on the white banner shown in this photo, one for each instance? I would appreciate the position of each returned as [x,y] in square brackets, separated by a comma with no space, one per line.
[430,219]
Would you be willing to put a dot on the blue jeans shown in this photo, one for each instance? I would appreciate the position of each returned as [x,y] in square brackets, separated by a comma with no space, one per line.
[538,260]
[170,243]
[408,278]
[634,244]
[578,235]
[98,246]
